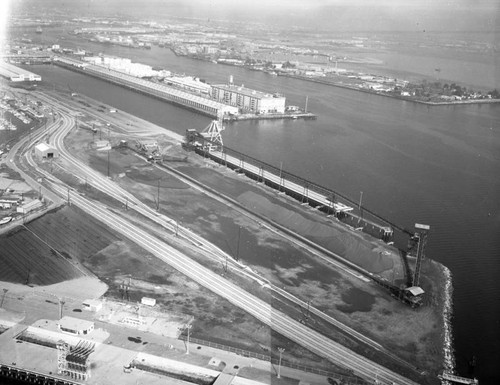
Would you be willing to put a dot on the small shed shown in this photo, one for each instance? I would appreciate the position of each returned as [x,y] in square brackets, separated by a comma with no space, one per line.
[29,206]
[75,326]
[102,144]
[92,305]
[44,151]
[148,301]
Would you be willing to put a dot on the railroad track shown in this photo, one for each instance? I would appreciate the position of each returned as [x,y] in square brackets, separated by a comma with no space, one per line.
[290,328]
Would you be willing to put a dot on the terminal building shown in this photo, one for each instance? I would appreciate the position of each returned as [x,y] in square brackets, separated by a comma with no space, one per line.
[16,74]
[248,100]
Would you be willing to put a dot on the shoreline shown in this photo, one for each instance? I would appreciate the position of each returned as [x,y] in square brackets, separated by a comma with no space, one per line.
[169,133]
[428,103]
[353,88]
[449,351]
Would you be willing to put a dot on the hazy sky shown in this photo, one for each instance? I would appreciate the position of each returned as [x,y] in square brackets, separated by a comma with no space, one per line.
[342,15]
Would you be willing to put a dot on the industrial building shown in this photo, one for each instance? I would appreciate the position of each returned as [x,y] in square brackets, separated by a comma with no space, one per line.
[16,74]
[248,100]
[189,83]
[44,151]
[75,326]
[198,103]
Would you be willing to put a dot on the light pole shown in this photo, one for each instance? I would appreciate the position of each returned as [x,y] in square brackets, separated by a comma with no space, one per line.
[281,350]
[61,304]
[188,327]
[281,174]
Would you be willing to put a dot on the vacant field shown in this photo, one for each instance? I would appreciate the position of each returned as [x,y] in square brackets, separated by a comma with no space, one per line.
[47,250]
[29,260]
[73,233]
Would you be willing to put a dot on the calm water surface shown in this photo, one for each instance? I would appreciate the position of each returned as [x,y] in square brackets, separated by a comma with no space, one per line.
[414,163]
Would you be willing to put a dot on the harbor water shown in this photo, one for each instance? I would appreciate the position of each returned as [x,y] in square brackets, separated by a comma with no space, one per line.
[437,165]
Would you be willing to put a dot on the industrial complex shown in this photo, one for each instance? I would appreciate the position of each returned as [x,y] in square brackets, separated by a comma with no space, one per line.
[134,254]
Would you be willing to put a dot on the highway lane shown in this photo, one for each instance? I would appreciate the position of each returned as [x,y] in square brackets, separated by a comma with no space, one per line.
[269,320]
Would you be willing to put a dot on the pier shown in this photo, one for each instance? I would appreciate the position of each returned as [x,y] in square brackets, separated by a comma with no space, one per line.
[200,104]
[306,192]
[458,380]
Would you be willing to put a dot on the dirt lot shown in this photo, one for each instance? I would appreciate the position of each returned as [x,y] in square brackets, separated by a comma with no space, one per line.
[28,259]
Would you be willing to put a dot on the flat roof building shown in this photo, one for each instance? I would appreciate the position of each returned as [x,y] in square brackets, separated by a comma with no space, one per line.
[44,151]
[162,91]
[248,100]
[189,83]
[16,74]
[75,326]
[29,206]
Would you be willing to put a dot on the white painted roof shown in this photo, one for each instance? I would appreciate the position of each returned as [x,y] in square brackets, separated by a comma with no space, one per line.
[43,147]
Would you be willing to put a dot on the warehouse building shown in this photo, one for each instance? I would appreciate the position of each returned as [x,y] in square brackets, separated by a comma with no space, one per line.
[248,100]
[44,151]
[16,74]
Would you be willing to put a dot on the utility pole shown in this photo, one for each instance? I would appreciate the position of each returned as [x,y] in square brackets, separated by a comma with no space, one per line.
[108,163]
[238,245]
[281,350]
[61,304]
[188,327]
[281,174]
[224,265]
[158,199]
